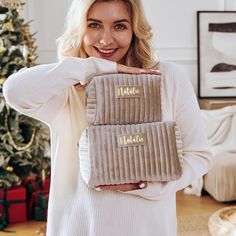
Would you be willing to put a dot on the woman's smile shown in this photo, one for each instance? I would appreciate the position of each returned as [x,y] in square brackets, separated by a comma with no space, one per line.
[106,53]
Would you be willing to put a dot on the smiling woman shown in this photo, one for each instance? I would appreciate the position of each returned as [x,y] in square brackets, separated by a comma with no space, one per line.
[123,22]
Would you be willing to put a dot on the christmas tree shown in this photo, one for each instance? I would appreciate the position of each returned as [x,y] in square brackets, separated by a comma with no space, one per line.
[23,140]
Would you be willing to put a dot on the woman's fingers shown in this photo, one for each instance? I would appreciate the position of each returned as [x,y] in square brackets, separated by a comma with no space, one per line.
[133,70]
[123,187]
[118,187]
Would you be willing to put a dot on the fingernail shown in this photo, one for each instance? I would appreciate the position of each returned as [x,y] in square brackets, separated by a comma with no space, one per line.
[142,185]
[98,189]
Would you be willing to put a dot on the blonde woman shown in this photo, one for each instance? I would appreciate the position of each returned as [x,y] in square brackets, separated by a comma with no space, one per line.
[106,37]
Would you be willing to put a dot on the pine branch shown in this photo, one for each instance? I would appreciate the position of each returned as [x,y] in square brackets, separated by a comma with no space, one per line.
[23,140]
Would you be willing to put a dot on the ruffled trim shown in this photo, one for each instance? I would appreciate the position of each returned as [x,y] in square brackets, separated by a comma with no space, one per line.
[161,94]
[179,144]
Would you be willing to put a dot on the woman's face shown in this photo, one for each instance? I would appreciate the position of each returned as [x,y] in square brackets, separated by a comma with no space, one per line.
[109,31]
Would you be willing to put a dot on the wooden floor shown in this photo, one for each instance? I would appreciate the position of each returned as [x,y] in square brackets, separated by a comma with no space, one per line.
[193,205]
[186,205]
[28,228]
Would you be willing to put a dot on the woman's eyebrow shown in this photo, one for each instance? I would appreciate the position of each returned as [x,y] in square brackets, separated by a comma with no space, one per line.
[122,20]
[91,19]
[99,21]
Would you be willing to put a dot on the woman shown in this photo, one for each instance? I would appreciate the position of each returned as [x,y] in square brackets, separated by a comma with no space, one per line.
[106,37]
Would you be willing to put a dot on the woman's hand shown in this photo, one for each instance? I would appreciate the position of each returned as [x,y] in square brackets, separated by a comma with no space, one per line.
[133,70]
[123,187]
[128,70]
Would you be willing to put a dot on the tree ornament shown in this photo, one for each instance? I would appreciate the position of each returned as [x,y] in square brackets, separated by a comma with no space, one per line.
[20,147]
[8,26]
[2,80]
[9,168]
[2,49]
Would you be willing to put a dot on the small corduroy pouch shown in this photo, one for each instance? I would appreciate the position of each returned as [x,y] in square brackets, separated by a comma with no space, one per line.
[123,99]
[119,154]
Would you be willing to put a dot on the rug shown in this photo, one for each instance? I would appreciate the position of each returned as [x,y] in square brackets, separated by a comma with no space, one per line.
[193,225]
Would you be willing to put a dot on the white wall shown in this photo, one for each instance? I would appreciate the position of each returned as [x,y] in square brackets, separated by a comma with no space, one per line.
[174,26]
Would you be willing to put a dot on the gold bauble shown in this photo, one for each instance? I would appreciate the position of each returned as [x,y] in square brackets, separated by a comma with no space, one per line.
[2,80]
[9,169]
[2,49]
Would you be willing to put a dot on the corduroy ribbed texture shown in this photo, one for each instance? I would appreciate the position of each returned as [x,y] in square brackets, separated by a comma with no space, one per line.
[124,99]
[147,152]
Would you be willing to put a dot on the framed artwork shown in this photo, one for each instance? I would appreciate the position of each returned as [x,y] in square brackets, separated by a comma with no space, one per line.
[216,54]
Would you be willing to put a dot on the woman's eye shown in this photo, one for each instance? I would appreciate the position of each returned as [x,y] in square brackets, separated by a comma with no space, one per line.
[94,26]
[120,27]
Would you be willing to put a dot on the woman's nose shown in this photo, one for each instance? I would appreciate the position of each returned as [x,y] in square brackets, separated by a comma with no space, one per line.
[106,37]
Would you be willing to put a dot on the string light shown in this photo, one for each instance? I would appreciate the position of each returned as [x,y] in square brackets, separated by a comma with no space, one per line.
[10,3]
[11,140]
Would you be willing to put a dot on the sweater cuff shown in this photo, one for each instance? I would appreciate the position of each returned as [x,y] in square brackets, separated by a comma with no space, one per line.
[98,66]
[84,69]
[103,66]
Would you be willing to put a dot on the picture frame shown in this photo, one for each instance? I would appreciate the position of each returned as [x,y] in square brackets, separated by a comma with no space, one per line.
[216,47]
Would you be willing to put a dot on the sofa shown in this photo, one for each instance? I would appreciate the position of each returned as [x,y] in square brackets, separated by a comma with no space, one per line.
[220,181]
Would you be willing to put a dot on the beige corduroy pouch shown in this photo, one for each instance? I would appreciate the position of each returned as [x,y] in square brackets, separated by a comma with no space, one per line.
[119,154]
[123,99]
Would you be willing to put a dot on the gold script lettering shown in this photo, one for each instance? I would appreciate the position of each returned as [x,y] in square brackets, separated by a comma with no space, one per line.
[129,91]
[131,140]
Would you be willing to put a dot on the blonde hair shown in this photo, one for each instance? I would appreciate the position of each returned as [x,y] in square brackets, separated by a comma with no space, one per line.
[140,51]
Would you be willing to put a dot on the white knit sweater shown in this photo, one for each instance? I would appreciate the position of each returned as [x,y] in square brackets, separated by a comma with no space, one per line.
[46,92]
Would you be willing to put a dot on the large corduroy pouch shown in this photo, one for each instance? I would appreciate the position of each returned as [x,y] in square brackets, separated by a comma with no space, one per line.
[119,154]
[124,99]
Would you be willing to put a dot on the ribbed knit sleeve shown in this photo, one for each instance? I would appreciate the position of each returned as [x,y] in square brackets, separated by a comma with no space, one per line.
[42,91]
[181,102]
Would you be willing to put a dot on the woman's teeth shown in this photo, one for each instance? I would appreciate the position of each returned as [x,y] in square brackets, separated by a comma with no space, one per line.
[106,51]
